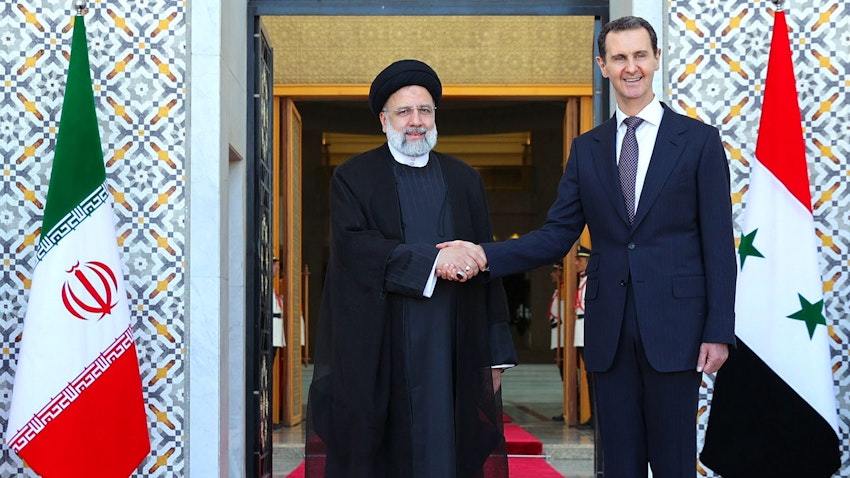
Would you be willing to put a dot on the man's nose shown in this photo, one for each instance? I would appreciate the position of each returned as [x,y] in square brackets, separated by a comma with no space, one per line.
[631,64]
[416,117]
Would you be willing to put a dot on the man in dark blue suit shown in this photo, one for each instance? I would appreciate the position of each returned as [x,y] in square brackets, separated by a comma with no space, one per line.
[661,277]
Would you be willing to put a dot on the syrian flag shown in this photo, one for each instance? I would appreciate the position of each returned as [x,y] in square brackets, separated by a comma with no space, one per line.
[774,413]
[77,408]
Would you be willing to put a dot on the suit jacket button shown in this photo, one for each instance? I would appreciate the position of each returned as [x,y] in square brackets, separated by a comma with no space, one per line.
[623,283]
[631,246]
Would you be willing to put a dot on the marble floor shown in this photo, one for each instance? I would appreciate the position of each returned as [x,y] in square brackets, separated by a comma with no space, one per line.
[531,394]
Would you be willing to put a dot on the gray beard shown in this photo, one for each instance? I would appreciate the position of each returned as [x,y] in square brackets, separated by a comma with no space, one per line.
[398,140]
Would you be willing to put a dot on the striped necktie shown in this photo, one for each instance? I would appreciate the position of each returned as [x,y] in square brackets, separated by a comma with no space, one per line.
[628,164]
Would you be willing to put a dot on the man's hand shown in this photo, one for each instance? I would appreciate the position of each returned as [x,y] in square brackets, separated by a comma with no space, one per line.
[497,379]
[711,357]
[460,260]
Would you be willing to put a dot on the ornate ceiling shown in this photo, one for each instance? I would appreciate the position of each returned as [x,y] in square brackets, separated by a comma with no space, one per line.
[494,50]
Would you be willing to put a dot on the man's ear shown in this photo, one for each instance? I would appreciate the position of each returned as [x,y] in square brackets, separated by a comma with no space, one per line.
[601,63]
[384,119]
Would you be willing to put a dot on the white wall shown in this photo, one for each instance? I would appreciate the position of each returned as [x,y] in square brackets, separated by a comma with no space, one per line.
[216,243]
[234,77]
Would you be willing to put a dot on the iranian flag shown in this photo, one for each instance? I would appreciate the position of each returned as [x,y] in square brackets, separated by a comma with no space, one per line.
[774,413]
[77,408]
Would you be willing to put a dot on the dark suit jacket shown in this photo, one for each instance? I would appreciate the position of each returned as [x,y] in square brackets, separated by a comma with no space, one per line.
[679,253]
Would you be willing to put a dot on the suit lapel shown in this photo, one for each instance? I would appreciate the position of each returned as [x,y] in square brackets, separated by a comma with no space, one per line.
[605,154]
[668,148]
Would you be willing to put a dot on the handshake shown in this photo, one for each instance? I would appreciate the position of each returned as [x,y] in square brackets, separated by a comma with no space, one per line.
[460,261]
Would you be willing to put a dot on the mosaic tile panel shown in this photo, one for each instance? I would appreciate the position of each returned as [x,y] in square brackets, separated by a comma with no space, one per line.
[137,52]
[717,56]
[138,58]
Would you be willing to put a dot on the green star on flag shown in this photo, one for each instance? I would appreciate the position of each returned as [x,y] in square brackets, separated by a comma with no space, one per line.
[810,313]
[746,248]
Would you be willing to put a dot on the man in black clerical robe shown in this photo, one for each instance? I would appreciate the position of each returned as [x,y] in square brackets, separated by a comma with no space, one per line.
[406,377]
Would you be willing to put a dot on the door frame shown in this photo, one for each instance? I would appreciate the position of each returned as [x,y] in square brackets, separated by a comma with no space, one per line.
[599,9]
[597,94]
[258,257]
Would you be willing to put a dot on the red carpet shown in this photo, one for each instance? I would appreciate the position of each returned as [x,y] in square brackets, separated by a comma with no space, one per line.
[531,468]
[518,468]
[298,472]
[519,442]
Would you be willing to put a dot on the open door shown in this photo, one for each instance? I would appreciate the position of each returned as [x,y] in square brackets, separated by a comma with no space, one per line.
[288,231]
[567,356]
[578,119]
[584,411]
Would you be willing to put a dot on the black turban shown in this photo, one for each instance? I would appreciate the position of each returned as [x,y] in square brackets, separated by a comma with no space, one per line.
[400,74]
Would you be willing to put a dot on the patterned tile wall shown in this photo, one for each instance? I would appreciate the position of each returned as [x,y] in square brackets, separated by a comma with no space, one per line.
[138,57]
[717,60]
[137,51]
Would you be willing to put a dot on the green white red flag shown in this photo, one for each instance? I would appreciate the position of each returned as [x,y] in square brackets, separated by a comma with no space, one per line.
[774,412]
[77,406]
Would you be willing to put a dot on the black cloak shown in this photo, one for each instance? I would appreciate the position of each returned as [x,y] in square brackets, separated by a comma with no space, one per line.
[358,416]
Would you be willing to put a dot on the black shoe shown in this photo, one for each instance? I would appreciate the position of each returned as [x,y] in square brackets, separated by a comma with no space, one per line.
[558,418]
[588,425]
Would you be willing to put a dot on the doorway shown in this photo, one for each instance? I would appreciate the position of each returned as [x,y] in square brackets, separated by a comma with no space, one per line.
[550,113]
